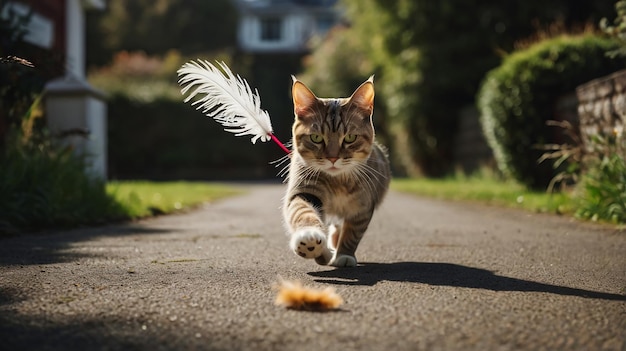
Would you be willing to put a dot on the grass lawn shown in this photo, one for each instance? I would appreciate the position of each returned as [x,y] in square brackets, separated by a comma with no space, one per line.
[144,198]
[487,191]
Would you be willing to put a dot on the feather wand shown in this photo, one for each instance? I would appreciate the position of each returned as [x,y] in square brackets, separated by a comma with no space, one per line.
[228,99]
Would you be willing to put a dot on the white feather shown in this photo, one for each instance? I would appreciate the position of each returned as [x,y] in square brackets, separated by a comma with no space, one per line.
[225,97]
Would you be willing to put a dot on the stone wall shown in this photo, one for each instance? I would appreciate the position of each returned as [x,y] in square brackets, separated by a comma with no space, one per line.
[602,107]
[598,108]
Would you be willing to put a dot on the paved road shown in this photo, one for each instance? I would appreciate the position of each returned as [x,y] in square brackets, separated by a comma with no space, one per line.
[432,276]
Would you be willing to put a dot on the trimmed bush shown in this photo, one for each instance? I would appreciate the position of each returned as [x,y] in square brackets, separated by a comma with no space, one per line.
[517,98]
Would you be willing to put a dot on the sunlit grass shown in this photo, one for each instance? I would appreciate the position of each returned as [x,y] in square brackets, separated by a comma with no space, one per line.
[487,191]
[144,198]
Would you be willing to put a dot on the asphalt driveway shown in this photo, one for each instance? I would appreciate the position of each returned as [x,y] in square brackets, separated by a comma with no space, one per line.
[433,275]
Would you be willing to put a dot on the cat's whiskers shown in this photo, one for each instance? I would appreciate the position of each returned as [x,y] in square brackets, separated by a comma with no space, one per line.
[369,175]
[306,174]
[376,174]
[364,178]
[373,170]
[284,162]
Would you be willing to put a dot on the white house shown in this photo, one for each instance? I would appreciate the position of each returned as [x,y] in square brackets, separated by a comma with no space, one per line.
[283,26]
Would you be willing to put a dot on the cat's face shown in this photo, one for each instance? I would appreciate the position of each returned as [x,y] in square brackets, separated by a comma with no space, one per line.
[334,136]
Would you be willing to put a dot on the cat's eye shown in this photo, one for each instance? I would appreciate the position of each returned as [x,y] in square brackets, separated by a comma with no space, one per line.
[316,138]
[349,138]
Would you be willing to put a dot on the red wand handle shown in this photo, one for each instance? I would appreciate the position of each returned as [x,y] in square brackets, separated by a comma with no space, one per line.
[279,143]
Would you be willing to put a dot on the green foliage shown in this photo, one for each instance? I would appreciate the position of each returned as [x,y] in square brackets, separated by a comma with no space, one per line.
[328,75]
[516,99]
[326,71]
[429,58]
[190,26]
[602,189]
[618,29]
[45,186]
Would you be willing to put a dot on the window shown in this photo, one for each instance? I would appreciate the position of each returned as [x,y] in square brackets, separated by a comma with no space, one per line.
[271,29]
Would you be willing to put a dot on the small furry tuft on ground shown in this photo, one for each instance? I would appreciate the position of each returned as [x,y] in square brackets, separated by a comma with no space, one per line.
[295,296]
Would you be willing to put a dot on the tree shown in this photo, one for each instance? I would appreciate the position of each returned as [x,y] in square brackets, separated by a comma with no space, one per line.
[155,27]
[432,56]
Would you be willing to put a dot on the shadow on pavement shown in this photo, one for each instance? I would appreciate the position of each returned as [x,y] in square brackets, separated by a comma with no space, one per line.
[46,248]
[9,295]
[446,274]
[20,332]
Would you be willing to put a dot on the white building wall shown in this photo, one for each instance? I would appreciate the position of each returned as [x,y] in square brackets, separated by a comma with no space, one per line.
[293,33]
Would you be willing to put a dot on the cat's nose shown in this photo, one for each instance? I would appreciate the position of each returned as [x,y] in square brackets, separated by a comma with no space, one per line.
[332,159]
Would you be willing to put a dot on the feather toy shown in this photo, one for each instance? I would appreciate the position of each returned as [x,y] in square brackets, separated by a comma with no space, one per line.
[228,99]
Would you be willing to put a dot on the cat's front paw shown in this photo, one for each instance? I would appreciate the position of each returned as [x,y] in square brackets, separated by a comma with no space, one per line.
[341,260]
[309,242]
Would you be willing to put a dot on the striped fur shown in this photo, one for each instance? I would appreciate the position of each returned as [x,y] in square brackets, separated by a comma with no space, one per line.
[338,174]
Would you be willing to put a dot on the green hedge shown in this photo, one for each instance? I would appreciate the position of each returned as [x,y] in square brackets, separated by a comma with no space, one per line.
[168,139]
[517,98]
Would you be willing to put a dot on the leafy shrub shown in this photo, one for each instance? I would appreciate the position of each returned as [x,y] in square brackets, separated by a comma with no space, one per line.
[45,186]
[618,30]
[601,193]
[517,98]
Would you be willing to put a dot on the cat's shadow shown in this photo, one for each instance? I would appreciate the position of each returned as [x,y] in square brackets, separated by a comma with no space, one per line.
[446,274]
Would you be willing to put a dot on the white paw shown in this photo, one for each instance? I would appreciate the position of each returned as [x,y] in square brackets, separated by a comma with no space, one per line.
[343,261]
[308,242]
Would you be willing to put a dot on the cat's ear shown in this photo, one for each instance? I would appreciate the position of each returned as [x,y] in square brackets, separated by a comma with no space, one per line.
[303,98]
[363,96]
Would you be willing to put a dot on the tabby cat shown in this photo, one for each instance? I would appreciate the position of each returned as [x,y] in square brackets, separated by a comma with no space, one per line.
[338,174]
